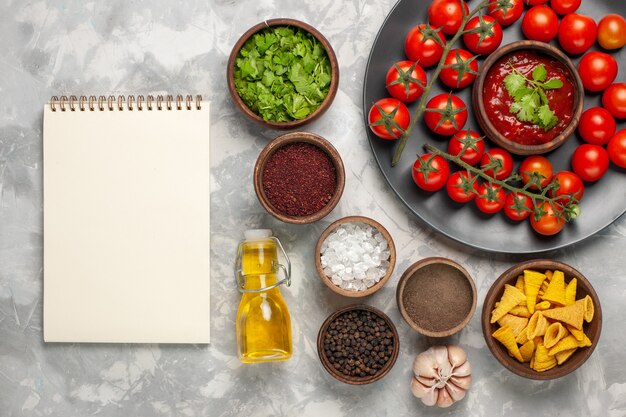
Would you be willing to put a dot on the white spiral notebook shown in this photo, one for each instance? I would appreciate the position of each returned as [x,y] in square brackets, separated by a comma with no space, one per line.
[126,219]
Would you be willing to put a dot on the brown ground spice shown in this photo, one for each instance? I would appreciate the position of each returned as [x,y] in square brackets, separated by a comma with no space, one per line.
[437,297]
[299,179]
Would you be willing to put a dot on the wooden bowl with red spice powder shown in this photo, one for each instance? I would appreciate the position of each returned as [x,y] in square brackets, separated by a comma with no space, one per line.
[299,177]
[436,297]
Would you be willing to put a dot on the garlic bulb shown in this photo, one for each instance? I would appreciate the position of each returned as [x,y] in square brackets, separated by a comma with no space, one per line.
[442,375]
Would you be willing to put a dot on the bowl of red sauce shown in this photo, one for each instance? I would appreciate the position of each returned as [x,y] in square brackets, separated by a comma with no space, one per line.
[299,177]
[528,97]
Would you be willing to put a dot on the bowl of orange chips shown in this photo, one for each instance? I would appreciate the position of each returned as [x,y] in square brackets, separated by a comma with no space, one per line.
[541,319]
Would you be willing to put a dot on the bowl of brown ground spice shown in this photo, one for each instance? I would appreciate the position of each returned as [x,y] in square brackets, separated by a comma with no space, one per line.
[436,297]
[299,177]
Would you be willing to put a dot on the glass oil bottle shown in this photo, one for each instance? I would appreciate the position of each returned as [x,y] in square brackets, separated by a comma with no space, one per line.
[263,321]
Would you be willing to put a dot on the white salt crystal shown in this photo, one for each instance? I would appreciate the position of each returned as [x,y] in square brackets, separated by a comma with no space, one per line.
[371,273]
[355,255]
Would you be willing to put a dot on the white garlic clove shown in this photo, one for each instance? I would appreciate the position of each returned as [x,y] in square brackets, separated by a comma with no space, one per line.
[429,382]
[455,392]
[431,397]
[420,390]
[425,364]
[462,381]
[443,364]
[444,399]
[463,370]
[456,355]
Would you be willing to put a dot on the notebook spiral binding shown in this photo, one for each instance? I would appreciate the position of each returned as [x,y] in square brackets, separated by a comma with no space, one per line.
[102,103]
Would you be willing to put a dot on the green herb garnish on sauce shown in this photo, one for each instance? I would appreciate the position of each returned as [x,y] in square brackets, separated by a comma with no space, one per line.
[282,73]
[529,95]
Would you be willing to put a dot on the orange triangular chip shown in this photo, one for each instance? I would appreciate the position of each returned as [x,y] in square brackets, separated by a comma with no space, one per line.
[519,284]
[554,333]
[505,336]
[572,315]
[543,359]
[578,334]
[537,325]
[585,342]
[532,284]
[570,292]
[522,337]
[567,343]
[527,350]
[555,293]
[520,311]
[517,324]
[589,310]
[511,297]
[564,355]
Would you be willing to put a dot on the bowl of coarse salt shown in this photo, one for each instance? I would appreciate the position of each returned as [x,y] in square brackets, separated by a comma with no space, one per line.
[355,256]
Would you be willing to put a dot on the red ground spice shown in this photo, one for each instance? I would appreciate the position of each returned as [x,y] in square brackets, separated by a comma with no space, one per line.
[299,179]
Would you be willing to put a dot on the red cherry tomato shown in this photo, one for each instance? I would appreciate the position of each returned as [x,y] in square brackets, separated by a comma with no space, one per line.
[590,162]
[490,199]
[535,2]
[564,7]
[549,223]
[612,31]
[470,143]
[460,69]
[597,70]
[540,24]
[388,118]
[424,44]
[577,33]
[570,186]
[517,206]
[445,114]
[430,172]
[614,100]
[536,168]
[617,149]
[597,126]
[505,159]
[447,15]
[462,187]
[406,81]
[506,12]
[485,35]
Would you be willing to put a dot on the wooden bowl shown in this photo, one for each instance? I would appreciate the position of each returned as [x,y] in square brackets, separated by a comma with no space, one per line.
[354,380]
[481,114]
[286,139]
[334,83]
[592,330]
[375,287]
[436,269]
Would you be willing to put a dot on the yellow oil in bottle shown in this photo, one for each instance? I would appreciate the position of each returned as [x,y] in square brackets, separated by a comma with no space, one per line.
[263,322]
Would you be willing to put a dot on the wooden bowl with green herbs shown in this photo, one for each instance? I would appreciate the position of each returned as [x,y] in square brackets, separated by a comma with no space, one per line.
[528,98]
[283,73]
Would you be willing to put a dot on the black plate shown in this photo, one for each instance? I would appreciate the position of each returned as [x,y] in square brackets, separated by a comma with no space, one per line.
[602,204]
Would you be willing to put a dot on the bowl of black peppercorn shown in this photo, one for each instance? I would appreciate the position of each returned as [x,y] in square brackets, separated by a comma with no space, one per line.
[358,344]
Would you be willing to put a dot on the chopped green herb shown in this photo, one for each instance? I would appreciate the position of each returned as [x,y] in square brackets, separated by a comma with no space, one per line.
[282,74]
[530,100]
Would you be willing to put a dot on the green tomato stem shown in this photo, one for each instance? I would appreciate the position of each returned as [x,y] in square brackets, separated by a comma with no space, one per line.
[535,197]
[425,94]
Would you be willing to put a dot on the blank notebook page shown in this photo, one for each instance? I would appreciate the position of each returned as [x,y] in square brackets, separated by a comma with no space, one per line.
[126,225]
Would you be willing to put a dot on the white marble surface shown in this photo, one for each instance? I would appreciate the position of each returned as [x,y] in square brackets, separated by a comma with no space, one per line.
[122,47]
